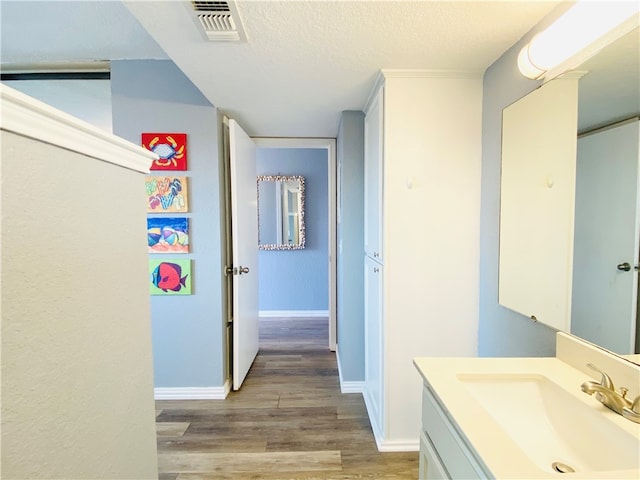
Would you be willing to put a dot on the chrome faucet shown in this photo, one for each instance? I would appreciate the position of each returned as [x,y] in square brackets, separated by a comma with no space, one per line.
[606,394]
[633,413]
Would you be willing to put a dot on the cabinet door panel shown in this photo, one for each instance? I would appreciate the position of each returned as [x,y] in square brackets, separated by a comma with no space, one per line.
[373,165]
[374,349]
[451,450]
[431,467]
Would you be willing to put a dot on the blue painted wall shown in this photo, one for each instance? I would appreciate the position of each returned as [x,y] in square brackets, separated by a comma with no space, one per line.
[188,331]
[295,280]
[503,332]
[88,100]
[350,238]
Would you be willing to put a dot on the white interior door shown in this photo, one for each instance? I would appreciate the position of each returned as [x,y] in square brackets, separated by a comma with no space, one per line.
[244,233]
[606,235]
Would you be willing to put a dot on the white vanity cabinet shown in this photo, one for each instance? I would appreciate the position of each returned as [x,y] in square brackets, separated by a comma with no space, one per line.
[422,208]
[444,454]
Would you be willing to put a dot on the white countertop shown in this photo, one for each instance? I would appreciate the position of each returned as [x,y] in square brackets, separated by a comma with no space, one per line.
[634,357]
[500,454]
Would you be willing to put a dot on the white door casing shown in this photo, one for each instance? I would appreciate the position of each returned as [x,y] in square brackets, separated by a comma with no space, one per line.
[330,145]
[244,233]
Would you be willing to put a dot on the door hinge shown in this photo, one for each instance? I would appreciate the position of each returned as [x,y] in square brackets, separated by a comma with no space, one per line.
[236,270]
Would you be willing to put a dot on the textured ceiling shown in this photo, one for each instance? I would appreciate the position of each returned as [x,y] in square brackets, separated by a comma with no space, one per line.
[304,62]
[37,32]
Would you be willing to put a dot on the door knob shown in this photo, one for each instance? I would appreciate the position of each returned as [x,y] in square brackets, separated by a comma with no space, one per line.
[625,267]
[242,270]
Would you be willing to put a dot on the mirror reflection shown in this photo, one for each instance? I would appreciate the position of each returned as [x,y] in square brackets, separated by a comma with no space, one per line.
[606,242]
[603,258]
[537,203]
[281,212]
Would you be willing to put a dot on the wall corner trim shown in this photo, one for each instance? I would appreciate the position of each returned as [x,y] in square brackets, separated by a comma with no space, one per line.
[379,82]
[26,116]
[193,393]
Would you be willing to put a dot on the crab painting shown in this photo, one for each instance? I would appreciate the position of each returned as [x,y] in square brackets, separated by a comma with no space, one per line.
[170,147]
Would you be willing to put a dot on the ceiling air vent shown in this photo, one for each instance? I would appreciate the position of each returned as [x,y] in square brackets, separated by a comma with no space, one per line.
[220,21]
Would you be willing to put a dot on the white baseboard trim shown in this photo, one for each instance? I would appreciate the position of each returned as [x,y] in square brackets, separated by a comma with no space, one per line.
[398,446]
[372,420]
[192,393]
[293,313]
[385,445]
[348,386]
[351,387]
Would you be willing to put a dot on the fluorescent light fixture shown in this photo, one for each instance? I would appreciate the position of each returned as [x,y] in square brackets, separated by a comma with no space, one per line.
[580,26]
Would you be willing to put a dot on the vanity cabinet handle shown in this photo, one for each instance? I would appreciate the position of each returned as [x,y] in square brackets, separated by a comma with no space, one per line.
[625,267]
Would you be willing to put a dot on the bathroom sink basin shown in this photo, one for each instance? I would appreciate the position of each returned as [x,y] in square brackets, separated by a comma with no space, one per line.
[556,430]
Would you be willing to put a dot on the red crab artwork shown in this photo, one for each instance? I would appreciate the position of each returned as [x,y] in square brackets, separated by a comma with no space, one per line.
[171,147]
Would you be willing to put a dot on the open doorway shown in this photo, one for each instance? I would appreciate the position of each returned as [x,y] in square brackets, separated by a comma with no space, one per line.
[301,284]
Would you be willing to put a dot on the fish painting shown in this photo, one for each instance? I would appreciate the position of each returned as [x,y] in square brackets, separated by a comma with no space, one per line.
[170,277]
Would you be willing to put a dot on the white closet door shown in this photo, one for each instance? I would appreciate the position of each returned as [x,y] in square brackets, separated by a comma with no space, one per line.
[606,235]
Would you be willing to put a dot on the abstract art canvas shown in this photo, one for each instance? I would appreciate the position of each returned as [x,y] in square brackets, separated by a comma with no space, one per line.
[168,234]
[170,277]
[171,147]
[166,194]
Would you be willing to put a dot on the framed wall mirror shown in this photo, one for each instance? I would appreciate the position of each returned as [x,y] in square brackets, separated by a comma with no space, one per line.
[281,223]
[537,203]
[602,246]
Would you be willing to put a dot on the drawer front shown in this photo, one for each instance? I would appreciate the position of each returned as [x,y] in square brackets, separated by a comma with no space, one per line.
[458,461]
[431,467]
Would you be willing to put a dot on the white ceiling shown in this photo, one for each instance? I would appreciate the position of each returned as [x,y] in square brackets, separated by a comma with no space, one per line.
[304,62]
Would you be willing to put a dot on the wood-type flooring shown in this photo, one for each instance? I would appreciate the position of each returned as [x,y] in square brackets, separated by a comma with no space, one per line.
[289,420]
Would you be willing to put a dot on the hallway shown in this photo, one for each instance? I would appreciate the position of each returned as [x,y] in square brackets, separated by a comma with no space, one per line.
[288,422]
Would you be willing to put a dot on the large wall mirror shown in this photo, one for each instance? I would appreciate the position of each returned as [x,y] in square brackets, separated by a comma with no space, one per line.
[281,223]
[602,230]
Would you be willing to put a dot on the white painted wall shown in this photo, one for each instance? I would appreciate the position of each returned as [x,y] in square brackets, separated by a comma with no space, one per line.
[431,212]
[77,380]
[431,225]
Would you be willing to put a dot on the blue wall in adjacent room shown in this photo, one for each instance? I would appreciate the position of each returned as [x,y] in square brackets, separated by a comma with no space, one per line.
[188,331]
[297,280]
[350,238]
